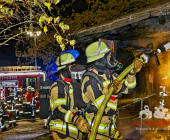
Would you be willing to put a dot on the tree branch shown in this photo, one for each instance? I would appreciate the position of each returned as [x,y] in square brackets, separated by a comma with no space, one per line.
[11,38]
[15,25]
[47,16]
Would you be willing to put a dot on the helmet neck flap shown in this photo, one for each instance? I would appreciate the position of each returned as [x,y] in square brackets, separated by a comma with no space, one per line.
[66,72]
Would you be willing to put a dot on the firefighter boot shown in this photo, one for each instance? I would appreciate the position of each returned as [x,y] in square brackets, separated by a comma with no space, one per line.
[117,135]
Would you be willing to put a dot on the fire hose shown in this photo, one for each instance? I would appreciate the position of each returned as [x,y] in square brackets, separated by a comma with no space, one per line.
[145,59]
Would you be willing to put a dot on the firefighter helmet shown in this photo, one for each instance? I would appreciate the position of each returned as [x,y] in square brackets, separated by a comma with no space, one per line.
[29,87]
[19,89]
[65,58]
[96,51]
[32,89]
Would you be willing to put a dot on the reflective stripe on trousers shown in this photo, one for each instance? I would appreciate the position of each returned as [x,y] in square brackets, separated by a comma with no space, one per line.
[102,127]
[12,121]
[61,126]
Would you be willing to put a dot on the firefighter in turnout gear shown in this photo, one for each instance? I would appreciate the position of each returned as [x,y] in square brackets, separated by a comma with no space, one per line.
[2,121]
[28,94]
[96,83]
[27,102]
[18,103]
[33,103]
[11,109]
[65,123]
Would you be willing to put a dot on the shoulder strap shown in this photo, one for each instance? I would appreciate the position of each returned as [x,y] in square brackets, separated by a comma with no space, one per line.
[95,76]
[66,86]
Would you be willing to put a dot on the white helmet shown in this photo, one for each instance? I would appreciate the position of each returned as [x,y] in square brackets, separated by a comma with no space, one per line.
[19,89]
[29,87]
[32,89]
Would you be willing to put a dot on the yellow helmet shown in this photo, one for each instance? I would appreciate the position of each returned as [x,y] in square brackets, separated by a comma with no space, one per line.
[66,57]
[96,50]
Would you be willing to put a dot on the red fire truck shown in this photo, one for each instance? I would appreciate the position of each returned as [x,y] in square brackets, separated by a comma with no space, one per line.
[13,77]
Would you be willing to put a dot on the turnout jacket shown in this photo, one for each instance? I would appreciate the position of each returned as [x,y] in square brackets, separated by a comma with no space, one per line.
[63,109]
[94,94]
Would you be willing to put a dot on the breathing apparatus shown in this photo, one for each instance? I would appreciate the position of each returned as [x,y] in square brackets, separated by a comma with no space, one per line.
[77,72]
[111,62]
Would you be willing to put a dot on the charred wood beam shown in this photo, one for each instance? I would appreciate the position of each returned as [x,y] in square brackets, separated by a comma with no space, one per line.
[142,28]
[139,34]
[124,23]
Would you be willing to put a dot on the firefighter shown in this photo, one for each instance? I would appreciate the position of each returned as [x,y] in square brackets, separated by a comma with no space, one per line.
[26,104]
[11,109]
[23,92]
[33,103]
[65,123]
[28,95]
[37,101]
[18,103]
[2,94]
[96,83]
[6,93]
[2,121]
[19,92]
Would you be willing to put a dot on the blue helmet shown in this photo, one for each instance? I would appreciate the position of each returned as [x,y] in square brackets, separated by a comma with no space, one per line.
[66,57]
[73,52]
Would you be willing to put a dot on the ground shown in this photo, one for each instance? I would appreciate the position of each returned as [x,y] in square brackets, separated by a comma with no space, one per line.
[25,130]
[126,124]
[151,129]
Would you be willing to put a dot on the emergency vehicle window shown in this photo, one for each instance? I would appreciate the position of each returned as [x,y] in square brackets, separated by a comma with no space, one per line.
[29,82]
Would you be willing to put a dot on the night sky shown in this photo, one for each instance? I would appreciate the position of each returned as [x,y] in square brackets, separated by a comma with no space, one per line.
[7,54]
[8,58]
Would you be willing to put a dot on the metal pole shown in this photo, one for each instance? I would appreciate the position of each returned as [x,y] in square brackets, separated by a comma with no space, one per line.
[136,101]
[35,52]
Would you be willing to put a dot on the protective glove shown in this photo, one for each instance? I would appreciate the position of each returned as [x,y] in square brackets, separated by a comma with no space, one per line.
[137,65]
[81,124]
[117,85]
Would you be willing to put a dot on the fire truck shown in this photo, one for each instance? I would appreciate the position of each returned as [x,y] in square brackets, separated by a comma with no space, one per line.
[13,77]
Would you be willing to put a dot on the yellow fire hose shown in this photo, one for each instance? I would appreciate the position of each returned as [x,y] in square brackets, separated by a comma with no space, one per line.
[105,101]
